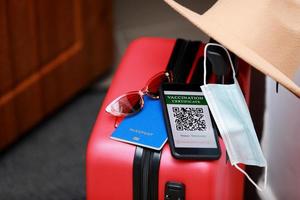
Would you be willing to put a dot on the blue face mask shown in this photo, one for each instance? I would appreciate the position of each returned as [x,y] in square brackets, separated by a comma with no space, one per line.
[230,111]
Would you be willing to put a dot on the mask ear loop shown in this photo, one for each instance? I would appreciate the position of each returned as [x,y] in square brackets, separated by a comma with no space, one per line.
[250,179]
[205,58]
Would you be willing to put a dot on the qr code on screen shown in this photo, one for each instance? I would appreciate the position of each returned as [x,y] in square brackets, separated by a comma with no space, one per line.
[189,119]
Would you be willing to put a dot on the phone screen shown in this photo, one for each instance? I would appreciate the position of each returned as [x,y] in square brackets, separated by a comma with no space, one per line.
[190,120]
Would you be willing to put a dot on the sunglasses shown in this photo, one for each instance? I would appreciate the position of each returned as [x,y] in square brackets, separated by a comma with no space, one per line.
[132,102]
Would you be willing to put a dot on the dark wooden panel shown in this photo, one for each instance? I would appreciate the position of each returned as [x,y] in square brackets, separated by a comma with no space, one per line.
[53,52]
[63,77]
[74,73]
[99,51]
[50,94]
[23,42]
[8,130]
[6,79]
[72,77]
[56,28]
[28,106]
[25,63]
[65,66]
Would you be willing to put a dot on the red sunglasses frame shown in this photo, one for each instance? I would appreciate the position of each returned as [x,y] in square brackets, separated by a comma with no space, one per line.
[144,91]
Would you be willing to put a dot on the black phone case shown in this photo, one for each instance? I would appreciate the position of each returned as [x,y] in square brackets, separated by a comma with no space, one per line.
[186,87]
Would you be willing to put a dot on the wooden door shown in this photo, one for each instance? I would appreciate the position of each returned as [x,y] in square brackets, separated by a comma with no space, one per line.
[49,50]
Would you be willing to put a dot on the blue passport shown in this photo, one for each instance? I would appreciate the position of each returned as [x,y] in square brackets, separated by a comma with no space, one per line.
[146,128]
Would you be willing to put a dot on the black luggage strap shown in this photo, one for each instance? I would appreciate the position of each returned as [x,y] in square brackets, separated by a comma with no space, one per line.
[146,161]
[145,174]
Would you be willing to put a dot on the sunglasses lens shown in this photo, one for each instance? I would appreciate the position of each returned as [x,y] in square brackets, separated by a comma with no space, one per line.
[154,84]
[126,105]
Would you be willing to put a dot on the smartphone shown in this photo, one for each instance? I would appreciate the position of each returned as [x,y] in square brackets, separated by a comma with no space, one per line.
[190,126]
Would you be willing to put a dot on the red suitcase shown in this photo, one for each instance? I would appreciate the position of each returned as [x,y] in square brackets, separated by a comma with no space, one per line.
[121,171]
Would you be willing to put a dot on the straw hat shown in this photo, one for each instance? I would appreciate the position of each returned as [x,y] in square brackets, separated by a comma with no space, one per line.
[265,33]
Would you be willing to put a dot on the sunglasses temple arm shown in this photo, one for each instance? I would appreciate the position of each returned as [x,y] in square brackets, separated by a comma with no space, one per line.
[118,121]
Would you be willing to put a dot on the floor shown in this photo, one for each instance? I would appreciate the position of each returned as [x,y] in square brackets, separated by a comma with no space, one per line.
[49,162]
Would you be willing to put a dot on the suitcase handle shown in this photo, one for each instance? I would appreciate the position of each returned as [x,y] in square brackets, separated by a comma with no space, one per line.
[174,191]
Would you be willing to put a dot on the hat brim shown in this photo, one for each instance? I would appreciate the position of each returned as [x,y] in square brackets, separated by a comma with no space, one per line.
[226,38]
